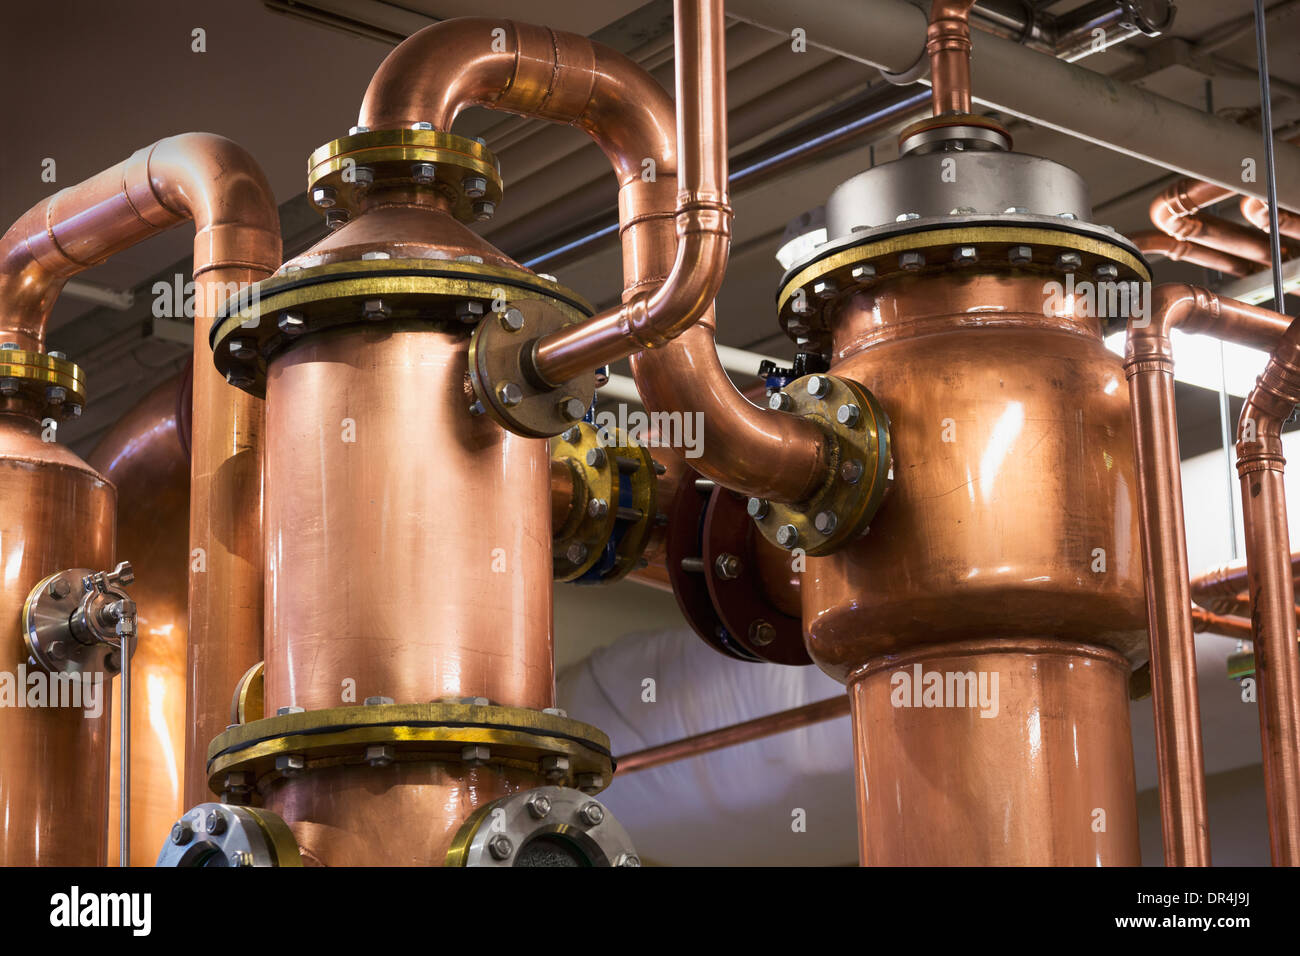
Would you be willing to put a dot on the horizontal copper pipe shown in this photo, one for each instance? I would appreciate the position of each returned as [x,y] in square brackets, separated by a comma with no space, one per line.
[947,43]
[1177,213]
[1225,624]
[741,733]
[1256,212]
[1260,466]
[1153,242]
[1150,371]
[1224,589]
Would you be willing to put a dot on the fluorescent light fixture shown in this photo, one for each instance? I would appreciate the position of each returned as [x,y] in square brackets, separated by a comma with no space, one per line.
[1208,363]
[1258,287]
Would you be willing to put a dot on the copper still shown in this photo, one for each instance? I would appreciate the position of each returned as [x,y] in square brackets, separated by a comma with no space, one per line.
[956,501]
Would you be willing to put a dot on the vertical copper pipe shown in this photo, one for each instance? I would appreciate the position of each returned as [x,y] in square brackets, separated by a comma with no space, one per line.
[142,455]
[1045,779]
[1150,370]
[947,43]
[215,183]
[1260,465]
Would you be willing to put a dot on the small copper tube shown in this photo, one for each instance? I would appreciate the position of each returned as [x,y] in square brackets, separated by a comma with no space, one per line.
[1151,242]
[1177,213]
[947,43]
[215,183]
[756,729]
[1150,370]
[1260,465]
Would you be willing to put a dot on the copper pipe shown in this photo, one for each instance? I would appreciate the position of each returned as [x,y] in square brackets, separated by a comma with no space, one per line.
[142,455]
[213,182]
[563,78]
[56,512]
[569,79]
[1177,213]
[1150,370]
[1224,589]
[1256,213]
[751,450]
[562,493]
[1227,625]
[942,785]
[756,729]
[1260,465]
[947,42]
[1152,242]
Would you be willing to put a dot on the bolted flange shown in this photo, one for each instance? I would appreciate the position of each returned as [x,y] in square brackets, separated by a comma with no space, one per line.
[226,835]
[464,170]
[505,383]
[545,826]
[44,384]
[860,474]
[615,500]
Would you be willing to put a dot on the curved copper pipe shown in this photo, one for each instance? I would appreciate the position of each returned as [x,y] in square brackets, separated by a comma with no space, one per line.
[563,78]
[1149,367]
[751,450]
[1256,213]
[569,79]
[1260,466]
[1177,213]
[1152,242]
[947,42]
[196,176]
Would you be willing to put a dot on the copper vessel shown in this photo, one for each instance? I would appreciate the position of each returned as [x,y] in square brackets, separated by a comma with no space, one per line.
[1013,525]
[56,512]
[144,459]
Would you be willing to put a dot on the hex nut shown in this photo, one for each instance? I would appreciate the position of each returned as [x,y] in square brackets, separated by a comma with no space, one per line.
[242,349]
[851,471]
[292,323]
[826,521]
[1020,255]
[576,553]
[825,288]
[590,782]
[512,320]
[911,260]
[380,755]
[787,536]
[964,255]
[424,173]
[1069,261]
[1106,270]
[475,753]
[375,309]
[182,833]
[324,197]
[484,210]
[848,414]
[779,402]
[728,567]
[596,458]
[500,847]
[290,764]
[539,806]
[377,701]
[554,765]
[215,822]
[863,270]
[758,507]
[592,814]
[597,507]
[475,187]
[571,409]
[819,386]
[509,394]
[627,859]
[469,311]
[762,633]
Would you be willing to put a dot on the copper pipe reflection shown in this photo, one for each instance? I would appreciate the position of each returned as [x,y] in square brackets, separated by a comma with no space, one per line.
[1150,242]
[143,457]
[1260,465]
[756,729]
[947,42]
[1150,370]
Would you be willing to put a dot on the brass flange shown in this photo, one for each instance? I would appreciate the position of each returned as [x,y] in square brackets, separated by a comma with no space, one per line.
[272,315]
[505,383]
[52,386]
[566,752]
[977,247]
[861,467]
[464,170]
[615,505]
